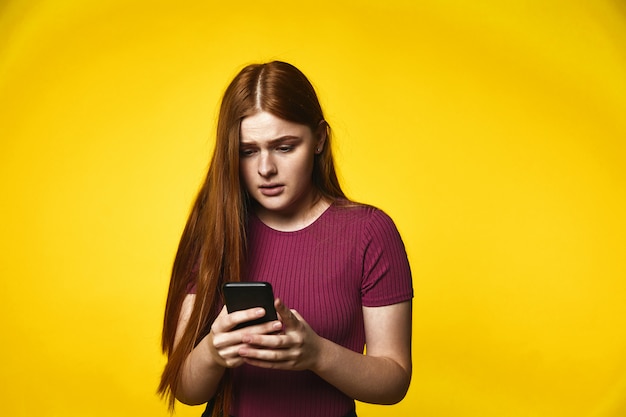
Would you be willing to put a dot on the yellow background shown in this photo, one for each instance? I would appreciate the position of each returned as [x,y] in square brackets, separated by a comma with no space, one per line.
[492,132]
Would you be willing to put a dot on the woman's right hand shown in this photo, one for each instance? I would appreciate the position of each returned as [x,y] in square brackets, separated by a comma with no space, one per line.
[205,365]
[224,342]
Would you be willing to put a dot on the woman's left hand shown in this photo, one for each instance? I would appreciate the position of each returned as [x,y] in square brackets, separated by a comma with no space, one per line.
[296,347]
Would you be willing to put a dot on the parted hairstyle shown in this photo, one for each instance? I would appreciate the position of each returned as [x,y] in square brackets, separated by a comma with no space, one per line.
[212,248]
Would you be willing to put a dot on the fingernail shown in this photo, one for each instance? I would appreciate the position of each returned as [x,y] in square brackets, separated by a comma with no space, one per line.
[260,312]
[277,326]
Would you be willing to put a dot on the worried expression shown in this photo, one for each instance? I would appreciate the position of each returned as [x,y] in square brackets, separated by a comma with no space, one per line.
[276,164]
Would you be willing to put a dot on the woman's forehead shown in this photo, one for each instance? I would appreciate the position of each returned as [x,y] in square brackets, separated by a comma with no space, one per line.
[264,126]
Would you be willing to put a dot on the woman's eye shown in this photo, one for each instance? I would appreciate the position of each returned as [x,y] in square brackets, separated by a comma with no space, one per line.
[246,152]
[285,148]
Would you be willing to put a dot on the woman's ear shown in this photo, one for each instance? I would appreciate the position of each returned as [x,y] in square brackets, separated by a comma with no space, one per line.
[321,135]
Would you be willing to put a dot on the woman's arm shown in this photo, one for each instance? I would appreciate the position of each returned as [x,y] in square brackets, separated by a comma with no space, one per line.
[383,374]
[200,373]
[380,376]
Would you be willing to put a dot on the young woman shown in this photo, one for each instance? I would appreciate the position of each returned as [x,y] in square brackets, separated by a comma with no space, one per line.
[271,209]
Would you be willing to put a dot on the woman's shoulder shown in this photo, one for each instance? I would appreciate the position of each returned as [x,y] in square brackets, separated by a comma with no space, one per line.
[372,228]
[367,214]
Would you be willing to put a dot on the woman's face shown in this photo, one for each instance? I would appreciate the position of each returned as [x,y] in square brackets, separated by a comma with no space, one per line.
[276,165]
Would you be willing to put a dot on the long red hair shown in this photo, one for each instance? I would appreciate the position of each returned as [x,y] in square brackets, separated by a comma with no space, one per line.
[212,248]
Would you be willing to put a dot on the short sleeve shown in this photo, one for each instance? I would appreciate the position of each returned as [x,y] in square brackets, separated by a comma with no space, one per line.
[386,272]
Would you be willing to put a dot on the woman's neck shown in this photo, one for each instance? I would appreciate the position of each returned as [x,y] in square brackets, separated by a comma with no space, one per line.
[291,222]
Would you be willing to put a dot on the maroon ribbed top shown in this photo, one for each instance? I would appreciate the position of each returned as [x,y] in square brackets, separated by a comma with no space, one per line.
[351,256]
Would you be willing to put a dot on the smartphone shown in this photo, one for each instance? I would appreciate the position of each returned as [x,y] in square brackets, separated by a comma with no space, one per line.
[245,295]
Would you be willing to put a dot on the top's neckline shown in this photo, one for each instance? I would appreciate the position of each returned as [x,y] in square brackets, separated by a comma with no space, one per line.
[297,231]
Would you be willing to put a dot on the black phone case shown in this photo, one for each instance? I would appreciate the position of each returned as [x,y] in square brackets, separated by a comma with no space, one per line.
[245,295]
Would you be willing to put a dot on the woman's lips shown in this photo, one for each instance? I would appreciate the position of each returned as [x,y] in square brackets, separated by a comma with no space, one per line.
[271,190]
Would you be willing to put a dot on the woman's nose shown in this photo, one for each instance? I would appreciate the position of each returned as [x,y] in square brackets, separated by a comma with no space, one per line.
[267,167]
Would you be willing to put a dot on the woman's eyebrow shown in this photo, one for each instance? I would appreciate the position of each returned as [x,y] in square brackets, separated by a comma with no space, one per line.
[273,142]
[285,138]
